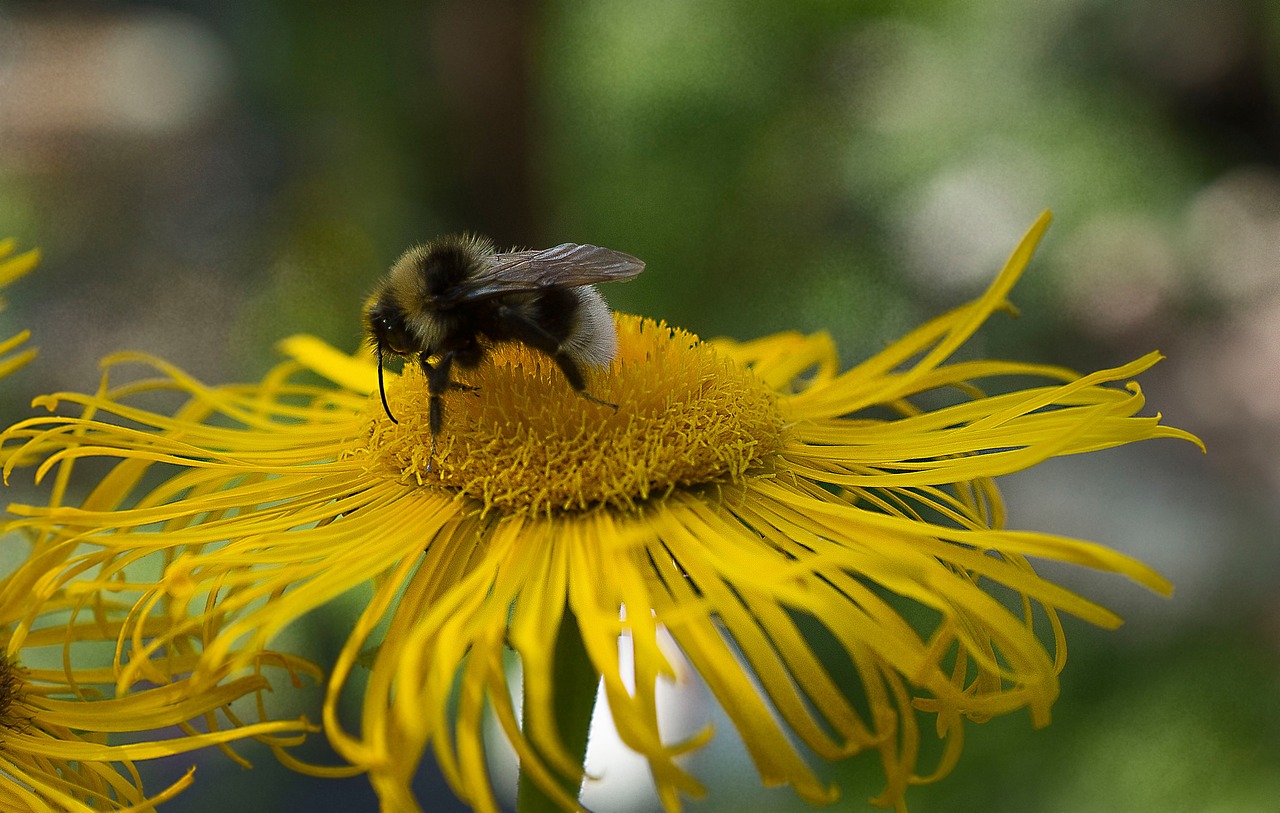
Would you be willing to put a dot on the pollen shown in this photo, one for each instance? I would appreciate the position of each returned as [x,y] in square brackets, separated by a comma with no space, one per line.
[524,442]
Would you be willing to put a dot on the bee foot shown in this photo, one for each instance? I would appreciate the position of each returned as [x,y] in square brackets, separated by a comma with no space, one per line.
[596,400]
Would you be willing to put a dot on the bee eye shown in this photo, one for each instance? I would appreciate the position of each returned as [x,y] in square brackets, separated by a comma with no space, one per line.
[393,336]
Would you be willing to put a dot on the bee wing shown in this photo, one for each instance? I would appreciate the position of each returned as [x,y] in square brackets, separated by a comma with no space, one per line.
[567,265]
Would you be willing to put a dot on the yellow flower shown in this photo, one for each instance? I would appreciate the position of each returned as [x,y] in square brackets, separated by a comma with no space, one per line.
[55,720]
[744,494]
[57,707]
[11,268]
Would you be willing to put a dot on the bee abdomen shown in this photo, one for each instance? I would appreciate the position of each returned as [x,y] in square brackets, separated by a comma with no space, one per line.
[592,339]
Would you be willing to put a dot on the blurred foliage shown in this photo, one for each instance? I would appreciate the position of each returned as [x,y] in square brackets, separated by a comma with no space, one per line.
[812,165]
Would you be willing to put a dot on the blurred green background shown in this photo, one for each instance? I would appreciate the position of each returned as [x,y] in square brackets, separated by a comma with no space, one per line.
[205,179]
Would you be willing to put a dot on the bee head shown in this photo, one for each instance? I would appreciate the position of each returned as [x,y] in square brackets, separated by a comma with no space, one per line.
[386,330]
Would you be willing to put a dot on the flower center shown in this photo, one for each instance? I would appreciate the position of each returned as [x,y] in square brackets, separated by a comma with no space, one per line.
[11,683]
[524,441]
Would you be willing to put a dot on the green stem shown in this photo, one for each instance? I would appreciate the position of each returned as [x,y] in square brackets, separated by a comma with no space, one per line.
[576,682]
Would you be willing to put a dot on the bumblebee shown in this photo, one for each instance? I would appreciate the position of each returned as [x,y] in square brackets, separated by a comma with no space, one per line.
[454,298]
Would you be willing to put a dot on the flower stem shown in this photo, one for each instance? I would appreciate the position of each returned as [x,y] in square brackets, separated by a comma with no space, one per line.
[576,683]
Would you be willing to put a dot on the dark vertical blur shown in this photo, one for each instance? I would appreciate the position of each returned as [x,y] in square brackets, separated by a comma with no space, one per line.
[483,54]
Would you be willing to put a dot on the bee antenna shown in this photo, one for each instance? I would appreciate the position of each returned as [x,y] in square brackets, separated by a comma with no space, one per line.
[382,390]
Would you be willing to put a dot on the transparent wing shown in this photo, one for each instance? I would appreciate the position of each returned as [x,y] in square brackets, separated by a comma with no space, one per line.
[567,265]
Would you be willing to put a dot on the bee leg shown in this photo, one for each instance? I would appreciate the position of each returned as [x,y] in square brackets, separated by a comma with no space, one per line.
[467,357]
[599,401]
[437,382]
[534,335]
[573,375]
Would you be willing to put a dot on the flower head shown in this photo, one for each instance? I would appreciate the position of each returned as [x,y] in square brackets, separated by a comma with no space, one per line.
[743,493]
[58,706]
[57,720]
